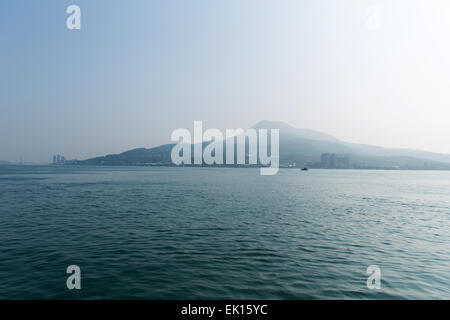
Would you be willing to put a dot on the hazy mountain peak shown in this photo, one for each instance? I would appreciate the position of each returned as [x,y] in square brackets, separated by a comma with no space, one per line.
[301,146]
[288,131]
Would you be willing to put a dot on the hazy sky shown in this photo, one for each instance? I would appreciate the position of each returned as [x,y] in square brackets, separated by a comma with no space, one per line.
[137,70]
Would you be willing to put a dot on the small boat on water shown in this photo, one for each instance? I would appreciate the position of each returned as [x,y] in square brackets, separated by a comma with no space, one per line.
[305,169]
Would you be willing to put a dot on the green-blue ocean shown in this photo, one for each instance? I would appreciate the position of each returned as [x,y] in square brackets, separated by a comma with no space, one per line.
[223,233]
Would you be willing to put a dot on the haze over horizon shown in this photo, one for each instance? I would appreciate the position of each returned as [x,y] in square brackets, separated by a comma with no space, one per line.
[137,71]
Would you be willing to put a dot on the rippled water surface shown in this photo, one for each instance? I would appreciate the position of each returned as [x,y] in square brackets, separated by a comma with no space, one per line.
[210,233]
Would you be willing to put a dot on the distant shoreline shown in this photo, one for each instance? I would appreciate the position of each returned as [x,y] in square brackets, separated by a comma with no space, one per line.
[217,166]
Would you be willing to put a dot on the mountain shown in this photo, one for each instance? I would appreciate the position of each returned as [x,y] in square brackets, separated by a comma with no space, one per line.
[302,147]
[289,131]
[300,141]
[392,152]
[140,156]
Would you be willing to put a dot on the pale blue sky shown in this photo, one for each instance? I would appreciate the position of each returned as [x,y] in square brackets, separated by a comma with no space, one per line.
[137,70]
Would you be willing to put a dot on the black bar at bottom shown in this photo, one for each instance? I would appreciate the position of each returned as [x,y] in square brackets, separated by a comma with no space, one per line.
[220,309]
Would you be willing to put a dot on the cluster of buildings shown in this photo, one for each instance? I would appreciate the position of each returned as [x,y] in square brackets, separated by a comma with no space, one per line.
[58,159]
[332,160]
